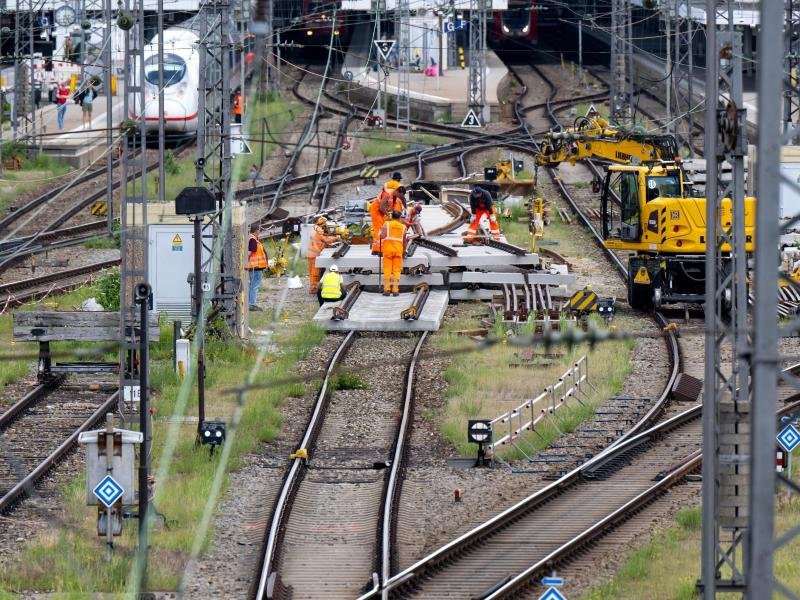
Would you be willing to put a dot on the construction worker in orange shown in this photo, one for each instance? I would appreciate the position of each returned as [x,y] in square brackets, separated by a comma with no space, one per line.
[393,237]
[412,221]
[238,105]
[318,241]
[380,209]
[481,205]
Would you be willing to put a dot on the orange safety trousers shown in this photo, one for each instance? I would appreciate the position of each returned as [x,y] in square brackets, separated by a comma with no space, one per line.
[472,230]
[392,265]
[313,275]
[378,219]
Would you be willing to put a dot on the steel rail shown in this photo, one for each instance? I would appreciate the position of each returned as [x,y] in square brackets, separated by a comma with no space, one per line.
[666,480]
[289,486]
[29,399]
[394,482]
[533,501]
[9,288]
[24,486]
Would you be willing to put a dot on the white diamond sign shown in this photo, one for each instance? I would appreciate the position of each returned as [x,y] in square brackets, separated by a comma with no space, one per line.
[108,491]
[789,437]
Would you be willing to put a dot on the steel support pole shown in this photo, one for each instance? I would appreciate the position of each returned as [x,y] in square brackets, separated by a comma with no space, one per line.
[765,332]
[161,142]
[144,427]
[708,570]
[107,75]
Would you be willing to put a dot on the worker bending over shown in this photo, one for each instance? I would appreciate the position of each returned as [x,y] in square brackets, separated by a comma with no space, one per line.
[318,241]
[393,235]
[331,288]
[412,222]
[480,204]
[390,198]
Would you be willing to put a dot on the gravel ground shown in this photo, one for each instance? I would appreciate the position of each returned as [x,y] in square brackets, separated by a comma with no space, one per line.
[54,261]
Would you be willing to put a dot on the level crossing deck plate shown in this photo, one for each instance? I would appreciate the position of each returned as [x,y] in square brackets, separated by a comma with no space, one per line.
[376,312]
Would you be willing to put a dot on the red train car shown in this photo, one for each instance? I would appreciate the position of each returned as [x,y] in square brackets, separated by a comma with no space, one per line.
[316,21]
[517,24]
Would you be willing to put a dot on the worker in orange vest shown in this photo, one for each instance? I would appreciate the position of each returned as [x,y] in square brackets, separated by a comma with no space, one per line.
[238,105]
[256,264]
[393,236]
[379,211]
[318,241]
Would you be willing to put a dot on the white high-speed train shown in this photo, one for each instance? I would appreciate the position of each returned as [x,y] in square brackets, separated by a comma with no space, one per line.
[181,78]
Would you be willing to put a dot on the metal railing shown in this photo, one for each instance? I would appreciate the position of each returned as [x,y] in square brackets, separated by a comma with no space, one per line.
[527,415]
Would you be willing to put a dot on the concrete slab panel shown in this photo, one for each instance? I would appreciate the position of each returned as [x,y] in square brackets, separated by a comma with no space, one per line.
[375,312]
[432,279]
[360,257]
[496,278]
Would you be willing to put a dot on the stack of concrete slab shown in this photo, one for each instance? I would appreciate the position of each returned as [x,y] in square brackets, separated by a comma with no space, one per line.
[376,312]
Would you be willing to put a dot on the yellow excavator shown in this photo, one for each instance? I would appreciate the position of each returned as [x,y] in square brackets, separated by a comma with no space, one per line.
[593,137]
[665,230]
[646,209]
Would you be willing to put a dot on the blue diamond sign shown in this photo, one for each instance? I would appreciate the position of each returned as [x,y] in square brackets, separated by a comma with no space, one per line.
[552,594]
[789,437]
[108,491]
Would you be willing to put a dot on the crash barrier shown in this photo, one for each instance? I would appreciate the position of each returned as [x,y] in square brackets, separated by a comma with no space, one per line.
[508,427]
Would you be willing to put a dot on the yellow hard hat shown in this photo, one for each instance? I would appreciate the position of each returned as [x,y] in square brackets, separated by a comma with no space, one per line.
[322,221]
[391,185]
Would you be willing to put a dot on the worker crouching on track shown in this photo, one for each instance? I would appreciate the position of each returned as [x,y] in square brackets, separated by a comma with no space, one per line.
[393,235]
[481,205]
[331,288]
[412,222]
[318,241]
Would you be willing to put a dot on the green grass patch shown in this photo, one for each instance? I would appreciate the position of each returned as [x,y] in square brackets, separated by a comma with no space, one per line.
[73,560]
[488,383]
[36,173]
[667,566]
[385,143]
[348,381]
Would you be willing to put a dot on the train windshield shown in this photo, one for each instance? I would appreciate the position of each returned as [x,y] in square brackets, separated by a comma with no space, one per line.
[516,18]
[174,69]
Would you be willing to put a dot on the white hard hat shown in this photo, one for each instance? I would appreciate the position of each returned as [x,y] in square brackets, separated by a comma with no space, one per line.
[334,268]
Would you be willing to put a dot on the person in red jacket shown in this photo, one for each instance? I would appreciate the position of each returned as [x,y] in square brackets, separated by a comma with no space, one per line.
[62,97]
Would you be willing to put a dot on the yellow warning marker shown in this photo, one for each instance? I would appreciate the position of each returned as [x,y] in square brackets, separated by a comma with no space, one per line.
[642,276]
[99,208]
[582,301]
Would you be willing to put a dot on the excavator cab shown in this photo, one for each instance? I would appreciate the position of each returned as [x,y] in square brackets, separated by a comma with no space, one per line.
[629,190]
[624,224]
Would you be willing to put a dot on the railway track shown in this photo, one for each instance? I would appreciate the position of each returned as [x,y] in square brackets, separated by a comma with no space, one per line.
[18,292]
[53,234]
[39,430]
[344,492]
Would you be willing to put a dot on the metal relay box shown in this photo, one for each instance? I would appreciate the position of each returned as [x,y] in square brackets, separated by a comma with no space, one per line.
[123,463]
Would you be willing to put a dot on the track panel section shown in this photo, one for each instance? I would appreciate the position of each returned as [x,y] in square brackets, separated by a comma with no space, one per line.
[330,537]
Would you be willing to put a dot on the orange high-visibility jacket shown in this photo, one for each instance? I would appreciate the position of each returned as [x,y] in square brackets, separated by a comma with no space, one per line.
[318,242]
[237,104]
[393,234]
[257,259]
